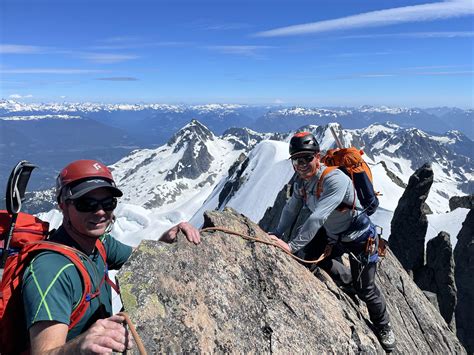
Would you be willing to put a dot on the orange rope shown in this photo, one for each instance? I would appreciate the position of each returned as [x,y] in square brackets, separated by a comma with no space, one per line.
[136,337]
[259,240]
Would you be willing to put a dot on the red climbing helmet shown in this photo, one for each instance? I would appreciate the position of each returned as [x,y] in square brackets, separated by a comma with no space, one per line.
[83,176]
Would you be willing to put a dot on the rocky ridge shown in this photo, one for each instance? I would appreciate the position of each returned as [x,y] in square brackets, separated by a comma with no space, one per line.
[409,223]
[464,275]
[232,295]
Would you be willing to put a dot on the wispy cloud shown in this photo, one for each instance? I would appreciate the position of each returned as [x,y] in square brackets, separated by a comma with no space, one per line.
[50,71]
[19,49]
[416,13]
[18,96]
[446,73]
[135,45]
[100,58]
[228,26]
[210,24]
[447,34]
[363,54]
[107,58]
[398,74]
[248,51]
[431,67]
[121,39]
[119,78]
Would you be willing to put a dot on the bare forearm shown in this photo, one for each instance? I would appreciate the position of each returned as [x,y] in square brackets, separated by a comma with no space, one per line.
[71,347]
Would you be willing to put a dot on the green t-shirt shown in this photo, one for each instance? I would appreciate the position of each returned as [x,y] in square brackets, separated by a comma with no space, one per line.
[52,285]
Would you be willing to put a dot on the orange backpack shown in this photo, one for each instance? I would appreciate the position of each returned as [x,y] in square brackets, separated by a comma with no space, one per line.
[350,161]
[28,239]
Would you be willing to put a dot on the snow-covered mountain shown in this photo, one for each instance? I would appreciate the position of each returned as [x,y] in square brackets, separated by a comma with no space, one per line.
[224,175]
[179,175]
[391,162]
[404,150]
[198,170]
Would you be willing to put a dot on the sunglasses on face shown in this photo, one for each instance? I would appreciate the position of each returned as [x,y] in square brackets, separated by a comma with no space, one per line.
[87,204]
[304,159]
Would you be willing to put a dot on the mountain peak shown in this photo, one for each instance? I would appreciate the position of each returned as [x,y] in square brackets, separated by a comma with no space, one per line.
[192,132]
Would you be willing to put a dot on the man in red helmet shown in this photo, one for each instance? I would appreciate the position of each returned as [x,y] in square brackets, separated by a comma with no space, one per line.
[348,228]
[52,286]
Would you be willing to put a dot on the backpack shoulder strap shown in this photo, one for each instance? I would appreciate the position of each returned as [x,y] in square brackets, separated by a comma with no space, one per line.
[319,187]
[103,254]
[73,255]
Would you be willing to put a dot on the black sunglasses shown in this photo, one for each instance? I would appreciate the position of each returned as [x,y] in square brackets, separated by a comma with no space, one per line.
[303,159]
[87,204]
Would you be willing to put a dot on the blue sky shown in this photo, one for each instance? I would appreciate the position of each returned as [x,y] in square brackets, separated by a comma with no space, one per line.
[292,52]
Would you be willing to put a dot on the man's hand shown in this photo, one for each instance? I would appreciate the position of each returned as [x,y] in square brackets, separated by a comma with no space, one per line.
[278,242]
[191,233]
[327,250]
[103,337]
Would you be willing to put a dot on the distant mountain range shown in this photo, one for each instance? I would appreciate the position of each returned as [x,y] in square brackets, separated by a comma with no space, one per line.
[52,135]
[153,124]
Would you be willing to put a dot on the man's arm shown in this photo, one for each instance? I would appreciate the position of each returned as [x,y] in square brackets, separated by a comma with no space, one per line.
[104,336]
[334,189]
[288,214]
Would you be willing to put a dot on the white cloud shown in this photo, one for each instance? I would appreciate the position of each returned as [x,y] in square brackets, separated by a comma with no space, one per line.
[416,13]
[17,96]
[228,26]
[49,71]
[118,78]
[249,51]
[401,74]
[448,34]
[105,58]
[125,38]
[19,49]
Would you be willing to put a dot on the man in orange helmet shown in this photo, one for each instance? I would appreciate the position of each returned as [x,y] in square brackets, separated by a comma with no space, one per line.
[52,287]
[348,228]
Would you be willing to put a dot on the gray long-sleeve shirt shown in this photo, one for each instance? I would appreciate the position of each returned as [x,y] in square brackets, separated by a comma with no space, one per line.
[337,188]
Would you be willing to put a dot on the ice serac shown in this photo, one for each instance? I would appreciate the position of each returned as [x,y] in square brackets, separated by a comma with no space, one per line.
[409,223]
[464,273]
[232,295]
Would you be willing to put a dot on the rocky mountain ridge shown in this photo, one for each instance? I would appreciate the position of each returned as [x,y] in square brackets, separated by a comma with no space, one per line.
[232,295]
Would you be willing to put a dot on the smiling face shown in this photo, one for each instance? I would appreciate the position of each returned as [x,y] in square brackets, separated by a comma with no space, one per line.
[306,164]
[91,224]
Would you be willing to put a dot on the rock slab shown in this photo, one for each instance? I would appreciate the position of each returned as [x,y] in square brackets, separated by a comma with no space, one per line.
[438,276]
[464,274]
[232,295]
